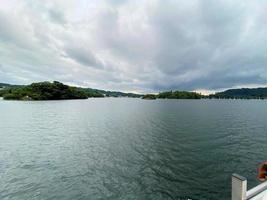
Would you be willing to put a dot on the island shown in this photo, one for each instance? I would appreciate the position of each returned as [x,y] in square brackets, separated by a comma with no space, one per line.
[173,95]
[150,97]
[55,91]
[179,95]
[45,91]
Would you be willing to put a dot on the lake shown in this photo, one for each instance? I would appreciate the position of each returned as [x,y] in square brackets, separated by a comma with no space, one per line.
[123,148]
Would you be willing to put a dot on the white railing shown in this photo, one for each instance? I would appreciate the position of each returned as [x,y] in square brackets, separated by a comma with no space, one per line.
[239,188]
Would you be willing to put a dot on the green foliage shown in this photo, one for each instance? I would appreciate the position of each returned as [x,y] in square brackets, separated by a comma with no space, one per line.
[2,92]
[149,97]
[45,91]
[5,88]
[91,92]
[243,93]
[174,95]
[179,95]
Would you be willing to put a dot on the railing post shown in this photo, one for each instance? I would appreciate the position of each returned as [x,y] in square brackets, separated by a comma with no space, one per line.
[239,187]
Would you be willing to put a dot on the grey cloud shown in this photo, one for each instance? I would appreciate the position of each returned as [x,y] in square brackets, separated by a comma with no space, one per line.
[11,32]
[57,16]
[83,56]
[137,45]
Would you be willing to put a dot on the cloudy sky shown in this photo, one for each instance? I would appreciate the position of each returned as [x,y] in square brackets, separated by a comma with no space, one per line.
[135,45]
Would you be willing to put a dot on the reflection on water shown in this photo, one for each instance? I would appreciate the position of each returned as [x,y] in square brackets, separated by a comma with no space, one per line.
[129,148]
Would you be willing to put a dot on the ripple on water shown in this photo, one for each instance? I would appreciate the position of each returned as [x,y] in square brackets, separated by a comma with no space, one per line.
[128,148]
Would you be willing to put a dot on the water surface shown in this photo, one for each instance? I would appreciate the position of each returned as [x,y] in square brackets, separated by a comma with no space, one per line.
[129,148]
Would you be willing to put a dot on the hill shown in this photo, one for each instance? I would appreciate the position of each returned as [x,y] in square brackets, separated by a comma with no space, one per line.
[119,94]
[3,85]
[243,93]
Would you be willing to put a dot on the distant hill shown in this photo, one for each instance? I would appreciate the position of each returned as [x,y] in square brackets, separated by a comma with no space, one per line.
[119,94]
[111,93]
[243,93]
[2,85]
[5,85]
[9,86]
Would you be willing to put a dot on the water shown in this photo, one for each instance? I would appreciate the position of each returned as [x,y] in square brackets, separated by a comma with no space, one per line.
[129,148]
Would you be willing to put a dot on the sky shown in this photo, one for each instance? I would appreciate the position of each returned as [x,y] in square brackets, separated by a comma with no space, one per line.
[135,45]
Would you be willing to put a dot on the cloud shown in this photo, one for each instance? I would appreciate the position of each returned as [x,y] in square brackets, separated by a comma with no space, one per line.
[83,56]
[57,16]
[148,46]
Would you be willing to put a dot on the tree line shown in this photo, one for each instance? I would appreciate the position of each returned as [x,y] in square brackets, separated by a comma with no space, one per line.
[174,95]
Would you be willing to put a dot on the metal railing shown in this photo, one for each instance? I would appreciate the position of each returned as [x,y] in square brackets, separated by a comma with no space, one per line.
[239,188]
